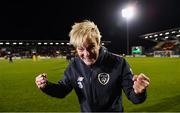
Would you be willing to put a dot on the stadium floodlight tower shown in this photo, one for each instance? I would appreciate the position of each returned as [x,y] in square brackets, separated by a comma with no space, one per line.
[128,14]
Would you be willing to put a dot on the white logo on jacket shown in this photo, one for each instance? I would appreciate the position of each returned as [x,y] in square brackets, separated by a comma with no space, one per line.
[79,82]
[103,78]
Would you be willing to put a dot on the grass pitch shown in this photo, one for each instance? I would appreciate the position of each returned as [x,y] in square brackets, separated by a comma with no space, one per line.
[18,92]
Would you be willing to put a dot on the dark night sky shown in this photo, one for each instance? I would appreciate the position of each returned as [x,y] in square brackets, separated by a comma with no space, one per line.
[52,20]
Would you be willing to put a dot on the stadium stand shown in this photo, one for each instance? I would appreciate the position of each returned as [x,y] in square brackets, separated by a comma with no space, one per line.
[45,48]
[167,42]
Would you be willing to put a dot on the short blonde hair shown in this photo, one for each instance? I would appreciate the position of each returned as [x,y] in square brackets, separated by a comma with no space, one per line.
[83,30]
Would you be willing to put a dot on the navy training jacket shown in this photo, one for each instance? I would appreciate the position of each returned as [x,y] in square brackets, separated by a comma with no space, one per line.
[98,87]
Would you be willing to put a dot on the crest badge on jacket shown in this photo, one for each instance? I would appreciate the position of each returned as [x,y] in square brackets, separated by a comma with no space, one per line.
[103,78]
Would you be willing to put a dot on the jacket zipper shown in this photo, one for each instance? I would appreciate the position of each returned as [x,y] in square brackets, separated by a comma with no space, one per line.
[91,90]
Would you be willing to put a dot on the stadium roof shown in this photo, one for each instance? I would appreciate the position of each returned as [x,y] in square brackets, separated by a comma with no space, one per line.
[38,42]
[166,35]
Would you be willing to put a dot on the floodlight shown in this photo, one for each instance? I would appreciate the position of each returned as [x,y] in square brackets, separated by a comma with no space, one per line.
[173,32]
[20,43]
[128,12]
[155,35]
[166,33]
[7,43]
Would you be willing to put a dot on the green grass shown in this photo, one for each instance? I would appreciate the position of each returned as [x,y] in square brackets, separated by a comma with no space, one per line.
[18,92]
[164,89]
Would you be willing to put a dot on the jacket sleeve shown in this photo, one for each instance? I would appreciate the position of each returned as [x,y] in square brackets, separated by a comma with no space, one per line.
[62,88]
[127,84]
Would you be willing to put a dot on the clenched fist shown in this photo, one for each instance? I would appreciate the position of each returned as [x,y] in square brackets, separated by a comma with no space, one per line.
[141,82]
[41,80]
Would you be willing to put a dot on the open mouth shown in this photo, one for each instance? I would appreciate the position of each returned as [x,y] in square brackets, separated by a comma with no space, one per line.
[88,60]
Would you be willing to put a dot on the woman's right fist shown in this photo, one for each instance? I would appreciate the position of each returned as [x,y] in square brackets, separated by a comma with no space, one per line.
[41,80]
